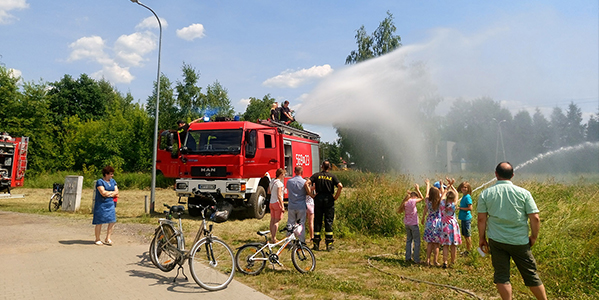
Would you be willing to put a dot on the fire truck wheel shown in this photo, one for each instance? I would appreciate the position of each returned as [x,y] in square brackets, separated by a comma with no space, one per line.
[258,204]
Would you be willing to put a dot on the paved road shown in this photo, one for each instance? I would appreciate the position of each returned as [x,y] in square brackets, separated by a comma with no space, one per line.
[44,257]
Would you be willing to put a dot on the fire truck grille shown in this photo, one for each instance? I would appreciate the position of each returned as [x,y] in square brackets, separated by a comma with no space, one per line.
[208,171]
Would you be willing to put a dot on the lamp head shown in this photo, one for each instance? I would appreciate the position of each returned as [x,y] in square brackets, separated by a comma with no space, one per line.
[135,1]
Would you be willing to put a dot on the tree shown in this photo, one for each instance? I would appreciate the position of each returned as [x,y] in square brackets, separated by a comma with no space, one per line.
[258,108]
[574,131]
[169,112]
[522,141]
[189,95]
[558,124]
[542,137]
[592,130]
[381,42]
[217,101]
[83,97]
[360,143]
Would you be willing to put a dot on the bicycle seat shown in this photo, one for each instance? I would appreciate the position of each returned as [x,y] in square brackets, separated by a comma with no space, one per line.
[263,233]
[177,208]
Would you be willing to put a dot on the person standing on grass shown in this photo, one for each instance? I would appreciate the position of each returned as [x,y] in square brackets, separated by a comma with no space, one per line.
[277,207]
[505,212]
[296,206]
[324,203]
[104,205]
[310,214]
[465,215]
[408,206]
[450,237]
[432,227]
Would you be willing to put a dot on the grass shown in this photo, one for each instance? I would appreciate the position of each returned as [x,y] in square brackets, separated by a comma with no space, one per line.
[367,229]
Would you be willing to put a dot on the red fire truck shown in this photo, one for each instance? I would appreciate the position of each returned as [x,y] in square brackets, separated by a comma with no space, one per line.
[13,161]
[233,162]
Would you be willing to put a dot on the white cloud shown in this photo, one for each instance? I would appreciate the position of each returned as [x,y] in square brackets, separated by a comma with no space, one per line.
[7,5]
[114,73]
[245,102]
[293,79]
[191,32]
[91,47]
[14,73]
[130,49]
[150,22]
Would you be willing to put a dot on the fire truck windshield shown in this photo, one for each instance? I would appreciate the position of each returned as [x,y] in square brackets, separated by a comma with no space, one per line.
[212,142]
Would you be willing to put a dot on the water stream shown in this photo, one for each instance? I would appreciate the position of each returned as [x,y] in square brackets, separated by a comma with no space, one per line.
[545,155]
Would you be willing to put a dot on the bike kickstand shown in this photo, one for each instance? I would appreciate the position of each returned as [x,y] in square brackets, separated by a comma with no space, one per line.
[182,273]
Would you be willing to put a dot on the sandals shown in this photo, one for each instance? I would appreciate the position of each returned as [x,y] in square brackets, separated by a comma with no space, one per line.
[108,242]
[99,243]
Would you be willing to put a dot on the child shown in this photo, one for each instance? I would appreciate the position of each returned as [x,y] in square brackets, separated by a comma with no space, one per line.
[408,205]
[451,230]
[465,215]
[432,215]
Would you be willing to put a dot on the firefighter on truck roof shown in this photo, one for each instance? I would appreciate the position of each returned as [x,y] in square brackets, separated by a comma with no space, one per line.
[324,203]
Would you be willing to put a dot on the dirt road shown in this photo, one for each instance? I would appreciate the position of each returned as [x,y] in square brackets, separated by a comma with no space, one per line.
[44,257]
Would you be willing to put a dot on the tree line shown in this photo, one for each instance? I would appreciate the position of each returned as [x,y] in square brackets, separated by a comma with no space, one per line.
[81,123]
[484,132]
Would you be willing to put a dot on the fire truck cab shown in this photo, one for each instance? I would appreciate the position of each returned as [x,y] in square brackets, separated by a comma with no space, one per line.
[13,161]
[233,162]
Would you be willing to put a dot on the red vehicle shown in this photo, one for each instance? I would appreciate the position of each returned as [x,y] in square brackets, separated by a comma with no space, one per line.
[233,162]
[13,161]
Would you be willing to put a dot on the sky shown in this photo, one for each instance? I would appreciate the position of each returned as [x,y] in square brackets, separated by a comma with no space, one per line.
[524,54]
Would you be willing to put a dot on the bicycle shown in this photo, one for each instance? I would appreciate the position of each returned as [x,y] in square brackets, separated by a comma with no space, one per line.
[211,260]
[251,258]
[56,198]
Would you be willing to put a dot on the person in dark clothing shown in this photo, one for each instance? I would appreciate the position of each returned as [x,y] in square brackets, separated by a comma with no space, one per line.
[285,114]
[324,203]
[275,112]
[182,129]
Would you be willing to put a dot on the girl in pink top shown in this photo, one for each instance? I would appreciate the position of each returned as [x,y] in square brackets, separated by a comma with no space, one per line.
[408,206]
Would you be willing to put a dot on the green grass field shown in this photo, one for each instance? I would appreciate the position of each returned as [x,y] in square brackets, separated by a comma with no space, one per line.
[368,262]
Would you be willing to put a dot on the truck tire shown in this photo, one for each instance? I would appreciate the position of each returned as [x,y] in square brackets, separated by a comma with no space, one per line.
[258,204]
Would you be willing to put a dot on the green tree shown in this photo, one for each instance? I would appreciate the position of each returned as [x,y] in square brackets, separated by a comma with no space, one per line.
[359,142]
[521,140]
[542,133]
[258,108]
[84,97]
[574,131]
[217,101]
[168,113]
[592,129]
[382,41]
[558,124]
[189,95]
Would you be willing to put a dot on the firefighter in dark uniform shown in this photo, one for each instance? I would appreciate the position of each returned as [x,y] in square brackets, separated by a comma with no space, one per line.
[324,203]
[182,129]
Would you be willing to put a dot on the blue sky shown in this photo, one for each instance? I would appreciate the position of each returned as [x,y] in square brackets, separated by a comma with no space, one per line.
[545,53]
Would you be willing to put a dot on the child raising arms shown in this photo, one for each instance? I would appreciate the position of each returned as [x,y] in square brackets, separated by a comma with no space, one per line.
[408,206]
[465,215]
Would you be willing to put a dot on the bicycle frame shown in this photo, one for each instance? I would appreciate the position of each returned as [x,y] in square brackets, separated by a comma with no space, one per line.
[286,241]
[202,231]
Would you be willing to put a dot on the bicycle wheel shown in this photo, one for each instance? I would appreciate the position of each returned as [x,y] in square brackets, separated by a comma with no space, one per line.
[303,259]
[245,262]
[164,252]
[55,202]
[211,264]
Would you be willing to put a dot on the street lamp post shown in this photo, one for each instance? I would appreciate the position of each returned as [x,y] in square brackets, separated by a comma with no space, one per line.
[499,138]
[153,189]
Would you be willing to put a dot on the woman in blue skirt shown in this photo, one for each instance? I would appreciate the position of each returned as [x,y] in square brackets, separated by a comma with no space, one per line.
[104,212]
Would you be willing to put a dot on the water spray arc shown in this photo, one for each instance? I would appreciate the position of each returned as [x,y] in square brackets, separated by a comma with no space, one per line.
[545,155]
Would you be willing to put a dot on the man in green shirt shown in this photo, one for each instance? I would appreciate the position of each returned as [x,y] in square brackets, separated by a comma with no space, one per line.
[504,212]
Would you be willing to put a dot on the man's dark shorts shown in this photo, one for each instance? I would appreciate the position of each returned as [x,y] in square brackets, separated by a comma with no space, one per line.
[522,256]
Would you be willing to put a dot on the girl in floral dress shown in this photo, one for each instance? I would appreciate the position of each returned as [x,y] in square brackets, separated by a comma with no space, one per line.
[450,237]
[432,227]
